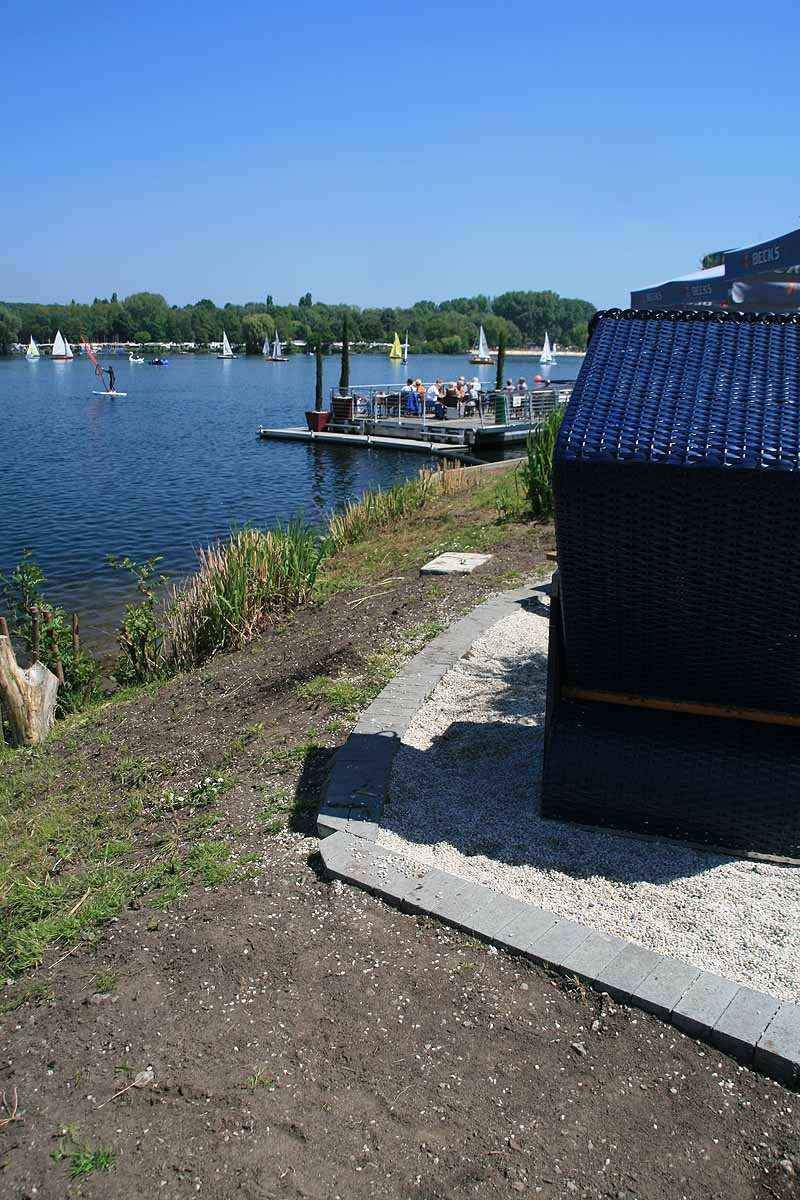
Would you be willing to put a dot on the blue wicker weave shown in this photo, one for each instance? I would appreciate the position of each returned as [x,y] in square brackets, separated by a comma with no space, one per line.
[677,496]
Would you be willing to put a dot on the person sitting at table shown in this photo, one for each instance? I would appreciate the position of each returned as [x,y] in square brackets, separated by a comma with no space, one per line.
[509,385]
[433,398]
[522,385]
[408,396]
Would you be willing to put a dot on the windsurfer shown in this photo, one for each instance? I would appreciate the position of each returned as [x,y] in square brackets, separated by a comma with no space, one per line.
[111,378]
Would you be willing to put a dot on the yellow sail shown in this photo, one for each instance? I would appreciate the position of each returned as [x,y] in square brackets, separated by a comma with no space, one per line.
[396,350]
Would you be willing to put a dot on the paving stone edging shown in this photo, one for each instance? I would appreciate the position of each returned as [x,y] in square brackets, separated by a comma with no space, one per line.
[753,1027]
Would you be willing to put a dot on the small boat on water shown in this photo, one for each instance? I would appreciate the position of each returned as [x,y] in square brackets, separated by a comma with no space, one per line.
[481,354]
[273,353]
[226,347]
[61,348]
[158,362]
[546,358]
[132,358]
[32,353]
[405,349]
[396,352]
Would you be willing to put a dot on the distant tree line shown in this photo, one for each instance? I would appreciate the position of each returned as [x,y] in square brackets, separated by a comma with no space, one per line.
[450,327]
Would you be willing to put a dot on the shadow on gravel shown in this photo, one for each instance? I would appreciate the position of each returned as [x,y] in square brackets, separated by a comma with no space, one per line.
[477,789]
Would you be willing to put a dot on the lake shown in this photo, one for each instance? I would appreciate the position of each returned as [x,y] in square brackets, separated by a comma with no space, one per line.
[176,463]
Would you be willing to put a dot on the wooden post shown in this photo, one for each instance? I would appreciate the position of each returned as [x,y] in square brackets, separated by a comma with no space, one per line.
[35,619]
[29,697]
[53,647]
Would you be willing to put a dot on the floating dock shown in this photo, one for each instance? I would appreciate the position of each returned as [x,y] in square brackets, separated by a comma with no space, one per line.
[380,441]
[378,419]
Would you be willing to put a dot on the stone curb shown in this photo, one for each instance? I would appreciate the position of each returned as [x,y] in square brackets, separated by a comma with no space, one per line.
[756,1029]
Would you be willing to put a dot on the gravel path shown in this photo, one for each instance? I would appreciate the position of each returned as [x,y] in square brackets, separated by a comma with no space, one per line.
[464,797]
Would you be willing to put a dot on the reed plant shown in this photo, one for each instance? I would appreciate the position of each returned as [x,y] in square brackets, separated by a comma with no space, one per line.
[536,471]
[239,586]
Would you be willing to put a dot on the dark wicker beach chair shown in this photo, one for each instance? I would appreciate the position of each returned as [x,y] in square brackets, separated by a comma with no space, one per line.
[674,663]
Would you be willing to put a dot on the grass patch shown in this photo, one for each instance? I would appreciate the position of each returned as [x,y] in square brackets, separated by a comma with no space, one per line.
[259,1079]
[81,1158]
[342,695]
[276,810]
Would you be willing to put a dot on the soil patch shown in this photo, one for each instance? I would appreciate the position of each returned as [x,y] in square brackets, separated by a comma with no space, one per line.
[304,1039]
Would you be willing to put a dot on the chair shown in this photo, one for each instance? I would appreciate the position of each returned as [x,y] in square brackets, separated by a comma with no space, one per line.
[674,662]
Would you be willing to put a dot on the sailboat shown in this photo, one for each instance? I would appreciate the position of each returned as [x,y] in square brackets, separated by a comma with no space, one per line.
[32,353]
[277,349]
[61,347]
[396,352]
[405,349]
[226,347]
[546,358]
[481,355]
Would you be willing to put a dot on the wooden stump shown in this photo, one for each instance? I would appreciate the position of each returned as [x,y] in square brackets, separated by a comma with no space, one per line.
[28,697]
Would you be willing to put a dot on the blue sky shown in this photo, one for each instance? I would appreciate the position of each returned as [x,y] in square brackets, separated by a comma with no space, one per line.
[381,153]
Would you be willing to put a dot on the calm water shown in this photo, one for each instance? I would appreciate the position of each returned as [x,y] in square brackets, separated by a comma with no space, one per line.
[174,465]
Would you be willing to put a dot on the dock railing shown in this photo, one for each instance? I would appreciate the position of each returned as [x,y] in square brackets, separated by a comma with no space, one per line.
[376,404]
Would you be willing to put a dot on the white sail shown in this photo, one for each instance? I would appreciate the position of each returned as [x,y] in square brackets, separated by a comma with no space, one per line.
[59,346]
[32,353]
[68,350]
[483,345]
[405,348]
[226,346]
[277,349]
[265,349]
[546,357]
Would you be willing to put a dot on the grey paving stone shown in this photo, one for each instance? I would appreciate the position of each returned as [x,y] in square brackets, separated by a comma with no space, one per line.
[362,827]
[524,929]
[431,894]
[589,957]
[778,1050]
[663,988]
[494,911]
[622,975]
[743,1023]
[558,942]
[457,906]
[702,1004]
[376,870]
[332,820]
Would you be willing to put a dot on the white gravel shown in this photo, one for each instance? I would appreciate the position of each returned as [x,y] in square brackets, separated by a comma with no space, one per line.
[464,797]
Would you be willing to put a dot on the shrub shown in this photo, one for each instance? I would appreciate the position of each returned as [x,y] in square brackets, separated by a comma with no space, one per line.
[140,636]
[536,472]
[21,594]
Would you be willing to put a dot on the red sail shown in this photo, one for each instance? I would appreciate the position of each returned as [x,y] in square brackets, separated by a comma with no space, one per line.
[97,366]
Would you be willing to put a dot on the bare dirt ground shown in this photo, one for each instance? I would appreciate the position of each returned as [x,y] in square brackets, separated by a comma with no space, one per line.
[300,1038]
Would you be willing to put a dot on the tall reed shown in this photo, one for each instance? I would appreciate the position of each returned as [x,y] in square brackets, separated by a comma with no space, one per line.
[239,585]
[536,472]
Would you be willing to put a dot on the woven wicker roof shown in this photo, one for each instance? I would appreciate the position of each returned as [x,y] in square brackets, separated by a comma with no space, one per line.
[688,389]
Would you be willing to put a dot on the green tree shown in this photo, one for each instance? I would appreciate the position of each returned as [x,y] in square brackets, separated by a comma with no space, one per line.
[9,329]
[501,359]
[344,378]
[318,396]
[305,301]
[146,310]
[256,328]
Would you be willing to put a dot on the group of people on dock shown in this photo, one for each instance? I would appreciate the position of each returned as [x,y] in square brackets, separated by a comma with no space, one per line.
[462,395]
[437,397]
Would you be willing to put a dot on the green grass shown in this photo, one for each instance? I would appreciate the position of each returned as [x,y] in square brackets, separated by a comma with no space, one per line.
[276,810]
[259,1078]
[341,695]
[81,1158]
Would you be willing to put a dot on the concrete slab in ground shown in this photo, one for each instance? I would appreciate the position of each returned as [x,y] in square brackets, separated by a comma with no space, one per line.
[454,564]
